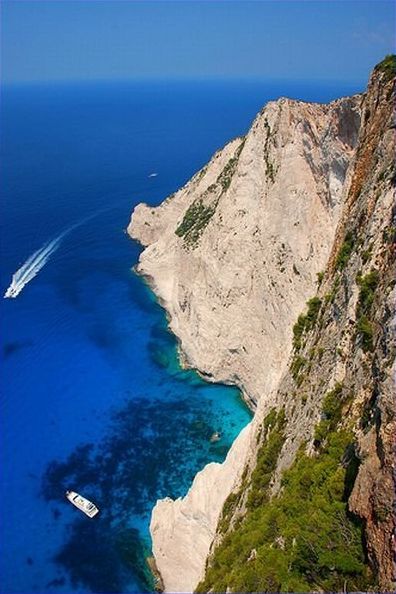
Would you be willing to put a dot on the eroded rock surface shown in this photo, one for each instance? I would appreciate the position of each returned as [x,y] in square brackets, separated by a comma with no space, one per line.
[233,257]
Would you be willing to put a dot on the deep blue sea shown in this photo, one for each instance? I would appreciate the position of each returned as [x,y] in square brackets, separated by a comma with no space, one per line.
[92,396]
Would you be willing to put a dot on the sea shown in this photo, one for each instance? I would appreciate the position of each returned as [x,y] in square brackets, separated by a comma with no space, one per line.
[92,396]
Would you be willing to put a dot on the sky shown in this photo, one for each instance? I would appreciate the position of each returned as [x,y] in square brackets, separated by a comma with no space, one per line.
[61,40]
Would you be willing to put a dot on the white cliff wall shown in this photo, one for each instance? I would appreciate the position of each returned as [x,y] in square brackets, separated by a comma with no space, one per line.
[260,226]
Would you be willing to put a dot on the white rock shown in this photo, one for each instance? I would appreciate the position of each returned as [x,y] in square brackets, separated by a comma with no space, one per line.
[233,299]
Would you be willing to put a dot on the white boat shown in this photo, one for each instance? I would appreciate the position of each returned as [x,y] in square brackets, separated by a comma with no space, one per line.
[84,505]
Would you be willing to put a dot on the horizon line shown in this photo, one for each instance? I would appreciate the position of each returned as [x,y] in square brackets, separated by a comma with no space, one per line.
[164,79]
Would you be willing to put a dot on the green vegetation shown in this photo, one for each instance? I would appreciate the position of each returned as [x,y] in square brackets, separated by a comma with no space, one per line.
[331,414]
[225,177]
[330,297]
[297,366]
[298,331]
[345,251]
[305,539]
[195,220]
[320,276]
[228,510]
[366,255]
[387,66]
[389,234]
[201,173]
[366,332]
[267,458]
[199,213]
[306,321]
[368,285]
[270,169]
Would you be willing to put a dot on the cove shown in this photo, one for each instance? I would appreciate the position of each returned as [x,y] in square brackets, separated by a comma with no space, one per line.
[92,396]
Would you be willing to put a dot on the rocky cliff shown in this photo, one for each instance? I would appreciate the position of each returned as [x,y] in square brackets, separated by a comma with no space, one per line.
[233,257]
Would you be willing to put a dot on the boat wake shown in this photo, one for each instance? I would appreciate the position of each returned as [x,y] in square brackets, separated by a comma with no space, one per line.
[38,260]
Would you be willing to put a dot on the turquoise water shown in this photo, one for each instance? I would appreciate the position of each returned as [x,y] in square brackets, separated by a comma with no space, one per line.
[92,397]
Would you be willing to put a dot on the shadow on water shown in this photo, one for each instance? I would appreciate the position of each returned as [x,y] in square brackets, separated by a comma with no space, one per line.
[125,474]
[10,348]
[102,558]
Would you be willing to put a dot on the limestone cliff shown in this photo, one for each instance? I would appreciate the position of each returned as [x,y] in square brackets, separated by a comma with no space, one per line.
[234,256]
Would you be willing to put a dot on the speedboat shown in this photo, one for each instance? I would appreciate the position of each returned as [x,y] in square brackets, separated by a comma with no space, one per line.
[83,504]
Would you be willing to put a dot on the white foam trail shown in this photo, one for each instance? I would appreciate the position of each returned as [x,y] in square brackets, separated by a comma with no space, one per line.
[38,260]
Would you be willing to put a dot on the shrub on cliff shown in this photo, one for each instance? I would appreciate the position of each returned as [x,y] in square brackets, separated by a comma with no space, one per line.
[345,251]
[387,66]
[304,539]
[368,285]
[306,321]
[195,220]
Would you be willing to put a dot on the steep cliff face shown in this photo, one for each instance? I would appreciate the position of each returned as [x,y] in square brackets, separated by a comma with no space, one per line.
[233,257]
[338,399]
[234,254]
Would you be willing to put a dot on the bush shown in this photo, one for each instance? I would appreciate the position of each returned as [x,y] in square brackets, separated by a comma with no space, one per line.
[306,322]
[366,332]
[267,458]
[228,510]
[313,310]
[389,234]
[345,251]
[225,177]
[297,365]
[366,255]
[298,331]
[387,67]
[195,220]
[305,539]
[368,285]
[331,414]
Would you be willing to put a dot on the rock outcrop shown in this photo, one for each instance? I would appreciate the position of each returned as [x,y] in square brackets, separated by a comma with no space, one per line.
[234,256]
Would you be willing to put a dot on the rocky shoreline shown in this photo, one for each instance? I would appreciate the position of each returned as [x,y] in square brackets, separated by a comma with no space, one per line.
[233,257]
[233,285]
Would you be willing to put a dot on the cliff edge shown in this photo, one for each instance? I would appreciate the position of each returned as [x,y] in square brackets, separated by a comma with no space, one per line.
[233,257]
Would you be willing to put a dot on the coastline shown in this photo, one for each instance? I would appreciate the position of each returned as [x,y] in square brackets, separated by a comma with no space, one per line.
[183,359]
[213,472]
[245,273]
